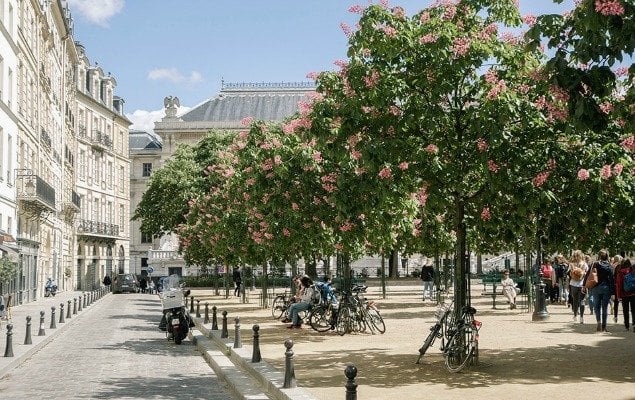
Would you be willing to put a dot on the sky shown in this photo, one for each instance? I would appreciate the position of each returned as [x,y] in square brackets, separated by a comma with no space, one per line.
[186,48]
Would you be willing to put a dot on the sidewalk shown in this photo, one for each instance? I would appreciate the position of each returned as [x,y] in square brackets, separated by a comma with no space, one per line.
[19,313]
[518,357]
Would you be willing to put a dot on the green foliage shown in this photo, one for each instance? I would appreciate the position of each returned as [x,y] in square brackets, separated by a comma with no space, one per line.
[8,270]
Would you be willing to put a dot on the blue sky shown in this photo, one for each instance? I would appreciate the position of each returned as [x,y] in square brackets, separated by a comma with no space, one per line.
[156,48]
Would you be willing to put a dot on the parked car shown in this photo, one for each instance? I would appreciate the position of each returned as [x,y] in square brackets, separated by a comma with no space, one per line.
[125,283]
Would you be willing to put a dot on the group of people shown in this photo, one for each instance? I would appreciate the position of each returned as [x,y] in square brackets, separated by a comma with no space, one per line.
[603,282]
[304,297]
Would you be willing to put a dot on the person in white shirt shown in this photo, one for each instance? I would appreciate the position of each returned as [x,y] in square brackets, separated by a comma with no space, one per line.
[509,289]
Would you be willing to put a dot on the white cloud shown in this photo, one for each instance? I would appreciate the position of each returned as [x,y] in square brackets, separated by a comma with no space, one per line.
[97,11]
[174,75]
[143,120]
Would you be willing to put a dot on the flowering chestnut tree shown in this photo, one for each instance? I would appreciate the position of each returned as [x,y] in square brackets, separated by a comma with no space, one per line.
[444,110]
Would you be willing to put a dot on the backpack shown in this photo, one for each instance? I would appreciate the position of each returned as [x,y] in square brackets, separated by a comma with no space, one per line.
[629,282]
[316,295]
[577,273]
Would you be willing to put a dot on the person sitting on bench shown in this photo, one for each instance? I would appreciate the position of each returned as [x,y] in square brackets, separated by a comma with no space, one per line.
[509,289]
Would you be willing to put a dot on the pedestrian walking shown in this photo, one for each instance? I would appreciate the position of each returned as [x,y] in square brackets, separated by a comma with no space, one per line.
[238,280]
[577,270]
[624,291]
[604,290]
[427,276]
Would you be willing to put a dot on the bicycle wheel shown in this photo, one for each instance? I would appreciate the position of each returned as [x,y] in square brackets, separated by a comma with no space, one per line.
[343,321]
[279,306]
[459,349]
[434,330]
[376,320]
[320,318]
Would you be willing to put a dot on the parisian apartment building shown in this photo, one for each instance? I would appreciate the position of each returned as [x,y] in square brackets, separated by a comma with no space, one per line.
[64,162]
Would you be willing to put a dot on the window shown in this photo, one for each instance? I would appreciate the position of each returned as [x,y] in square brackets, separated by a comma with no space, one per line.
[122,217]
[146,238]
[2,152]
[110,174]
[82,165]
[9,159]
[122,177]
[147,169]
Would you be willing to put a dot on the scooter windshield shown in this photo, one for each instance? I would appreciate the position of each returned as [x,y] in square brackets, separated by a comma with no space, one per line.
[171,282]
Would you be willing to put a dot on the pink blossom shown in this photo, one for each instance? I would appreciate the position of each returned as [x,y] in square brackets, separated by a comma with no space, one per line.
[356,154]
[243,135]
[328,187]
[312,75]
[389,31]
[500,87]
[356,9]
[265,146]
[460,46]
[399,12]
[317,157]
[492,166]
[529,19]
[617,169]
[541,178]
[295,206]
[403,165]
[250,181]
[346,29]
[385,173]
[347,226]
[491,77]
[425,17]
[429,38]
[609,7]
[371,80]
[485,214]
[432,149]
[246,121]
[481,145]
[286,232]
[629,143]
[422,196]
[394,110]
[605,172]
[621,71]
[246,196]
[551,164]
[606,107]
[491,29]
[449,13]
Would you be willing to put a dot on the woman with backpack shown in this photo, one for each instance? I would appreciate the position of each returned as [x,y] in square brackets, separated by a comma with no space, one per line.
[577,271]
[603,290]
[624,276]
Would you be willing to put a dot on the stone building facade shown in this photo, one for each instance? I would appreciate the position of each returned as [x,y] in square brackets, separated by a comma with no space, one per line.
[64,161]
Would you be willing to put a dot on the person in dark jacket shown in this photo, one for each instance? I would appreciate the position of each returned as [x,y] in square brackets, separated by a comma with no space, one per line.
[427,276]
[627,297]
[604,290]
[238,280]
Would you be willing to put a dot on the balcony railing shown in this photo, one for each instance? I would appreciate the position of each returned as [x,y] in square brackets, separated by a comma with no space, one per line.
[45,138]
[34,192]
[74,206]
[163,255]
[95,228]
[100,140]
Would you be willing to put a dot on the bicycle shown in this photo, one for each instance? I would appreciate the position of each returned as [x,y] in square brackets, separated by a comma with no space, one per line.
[357,314]
[462,345]
[436,330]
[280,307]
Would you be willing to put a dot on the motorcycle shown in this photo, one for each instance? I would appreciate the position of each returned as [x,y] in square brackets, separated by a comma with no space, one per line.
[50,289]
[176,319]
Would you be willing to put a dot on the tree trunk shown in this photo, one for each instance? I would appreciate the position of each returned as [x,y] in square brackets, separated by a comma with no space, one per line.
[265,286]
[460,278]
[311,267]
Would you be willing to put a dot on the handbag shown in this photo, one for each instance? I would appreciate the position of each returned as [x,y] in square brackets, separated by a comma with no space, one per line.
[592,279]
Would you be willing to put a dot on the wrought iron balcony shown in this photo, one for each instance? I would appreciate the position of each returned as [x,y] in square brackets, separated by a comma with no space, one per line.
[164,255]
[72,207]
[98,230]
[34,193]
[45,139]
[100,140]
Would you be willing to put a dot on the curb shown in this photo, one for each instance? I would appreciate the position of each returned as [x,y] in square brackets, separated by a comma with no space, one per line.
[263,374]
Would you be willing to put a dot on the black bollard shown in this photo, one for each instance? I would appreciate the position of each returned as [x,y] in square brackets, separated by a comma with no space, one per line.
[351,385]
[53,318]
[191,304]
[198,308]
[206,320]
[74,306]
[540,309]
[8,350]
[68,310]
[84,295]
[79,303]
[27,337]
[289,370]
[237,339]
[494,296]
[255,356]
[214,319]
[62,313]
[224,333]
[41,332]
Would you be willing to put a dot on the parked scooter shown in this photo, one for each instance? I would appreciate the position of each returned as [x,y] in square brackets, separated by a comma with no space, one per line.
[176,319]
[51,288]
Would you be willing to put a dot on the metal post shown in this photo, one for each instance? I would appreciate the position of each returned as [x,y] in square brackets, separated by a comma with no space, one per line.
[79,303]
[198,308]
[224,333]
[8,350]
[214,319]
[191,304]
[289,371]
[351,385]
[206,320]
[494,295]
[61,313]
[27,337]
[85,300]
[74,306]
[41,332]
[68,310]
[255,355]
[53,318]
[540,311]
[237,339]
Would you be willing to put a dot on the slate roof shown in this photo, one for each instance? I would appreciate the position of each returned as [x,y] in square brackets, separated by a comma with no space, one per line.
[261,101]
[142,140]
